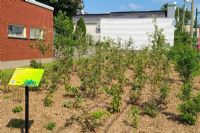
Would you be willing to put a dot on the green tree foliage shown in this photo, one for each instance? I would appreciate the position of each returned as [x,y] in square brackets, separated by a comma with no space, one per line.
[64,29]
[80,30]
[63,24]
[186,61]
[189,110]
[182,38]
[68,6]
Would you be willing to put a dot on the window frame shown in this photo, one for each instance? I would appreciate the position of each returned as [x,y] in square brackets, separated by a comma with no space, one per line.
[16,36]
[98,29]
[36,38]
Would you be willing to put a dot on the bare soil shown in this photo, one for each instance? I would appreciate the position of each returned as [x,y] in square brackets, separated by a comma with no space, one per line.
[166,122]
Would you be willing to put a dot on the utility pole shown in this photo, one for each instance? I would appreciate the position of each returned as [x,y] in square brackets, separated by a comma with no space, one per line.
[192,19]
[183,19]
[196,21]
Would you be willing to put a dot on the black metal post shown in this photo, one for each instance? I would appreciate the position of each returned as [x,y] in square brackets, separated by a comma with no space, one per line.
[26,109]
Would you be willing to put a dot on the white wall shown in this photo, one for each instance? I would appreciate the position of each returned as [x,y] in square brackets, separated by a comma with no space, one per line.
[136,29]
[91,30]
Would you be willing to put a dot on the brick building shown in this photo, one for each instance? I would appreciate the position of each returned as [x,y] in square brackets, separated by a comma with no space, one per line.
[22,22]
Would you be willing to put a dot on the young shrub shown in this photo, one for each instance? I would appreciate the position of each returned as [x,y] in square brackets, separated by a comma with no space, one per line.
[135,96]
[135,112]
[188,118]
[186,91]
[50,126]
[68,104]
[71,90]
[189,110]
[90,76]
[164,92]
[197,102]
[17,109]
[97,116]
[160,65]
[53,87]
[115,92]
[186,60]
[48,101]
[42,44]
[78,102]
[36,64]
[65,63]
[140,75]
[151,109]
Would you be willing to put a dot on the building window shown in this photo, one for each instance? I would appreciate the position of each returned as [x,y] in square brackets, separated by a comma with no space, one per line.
[36,33]
[98,28]
[16,31]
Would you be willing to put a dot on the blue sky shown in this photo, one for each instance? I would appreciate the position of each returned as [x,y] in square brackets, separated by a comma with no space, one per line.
[103,6]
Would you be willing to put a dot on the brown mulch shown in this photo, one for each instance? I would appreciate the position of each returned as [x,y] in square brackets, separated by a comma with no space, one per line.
[166,122]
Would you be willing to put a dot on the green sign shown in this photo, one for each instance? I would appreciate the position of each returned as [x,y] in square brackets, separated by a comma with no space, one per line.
[27,77]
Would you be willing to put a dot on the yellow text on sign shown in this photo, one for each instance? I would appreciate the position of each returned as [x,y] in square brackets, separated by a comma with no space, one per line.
[21,75]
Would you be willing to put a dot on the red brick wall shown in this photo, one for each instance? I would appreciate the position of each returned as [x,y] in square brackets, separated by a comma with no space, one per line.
[22,13]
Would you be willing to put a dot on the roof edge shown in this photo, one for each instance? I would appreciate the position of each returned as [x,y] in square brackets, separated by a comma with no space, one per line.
[40,4]
[113,13]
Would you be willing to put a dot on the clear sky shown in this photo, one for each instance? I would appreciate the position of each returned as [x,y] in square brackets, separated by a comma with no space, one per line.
[103,6]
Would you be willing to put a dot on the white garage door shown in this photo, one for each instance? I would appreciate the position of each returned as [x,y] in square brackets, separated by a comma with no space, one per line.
[136,29]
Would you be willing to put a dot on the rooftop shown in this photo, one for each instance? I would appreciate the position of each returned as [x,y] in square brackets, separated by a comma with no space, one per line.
[93,18]
[40,4]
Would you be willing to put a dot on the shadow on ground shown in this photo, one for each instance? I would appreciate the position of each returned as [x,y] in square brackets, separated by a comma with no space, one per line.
[18,123]
[172,116]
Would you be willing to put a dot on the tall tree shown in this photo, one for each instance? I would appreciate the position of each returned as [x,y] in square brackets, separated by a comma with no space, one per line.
[179,16]
[68,6]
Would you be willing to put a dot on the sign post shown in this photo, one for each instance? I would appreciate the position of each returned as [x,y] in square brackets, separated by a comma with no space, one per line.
[26,109]
[27,77]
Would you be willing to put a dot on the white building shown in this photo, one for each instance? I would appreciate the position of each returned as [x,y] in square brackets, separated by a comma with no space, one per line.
[136,25]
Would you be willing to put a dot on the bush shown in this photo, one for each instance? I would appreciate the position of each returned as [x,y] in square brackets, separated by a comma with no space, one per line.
[164,92]
[115,92]
[50,126]
[151,109]
[182,38]
[71,90]
[197,102]
[80,30]
[99,114]
[135,112]
[188,106]
[188,118]
[186,61]
[186,91]
[78,101]
[48,101]
[36,64]
[68,104]
[189,110]
[17,109]
[135,96]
